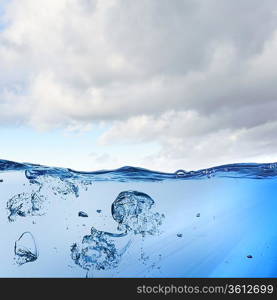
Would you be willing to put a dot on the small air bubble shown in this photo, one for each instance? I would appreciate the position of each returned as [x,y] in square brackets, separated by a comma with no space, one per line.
[180,173]
[82,214]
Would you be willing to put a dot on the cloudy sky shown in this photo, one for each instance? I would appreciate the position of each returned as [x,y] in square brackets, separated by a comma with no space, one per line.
[161,84]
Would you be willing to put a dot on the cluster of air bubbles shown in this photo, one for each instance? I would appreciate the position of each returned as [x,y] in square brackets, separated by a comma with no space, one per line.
[60,186]
[85,184]
[34,203]
[209,172]
[25,249]
[25,204]
[150,261]
[97,251]
[132,211]
[65,187]
[143,257]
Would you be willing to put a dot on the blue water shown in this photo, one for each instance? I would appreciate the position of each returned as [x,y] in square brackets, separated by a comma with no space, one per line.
[133,222]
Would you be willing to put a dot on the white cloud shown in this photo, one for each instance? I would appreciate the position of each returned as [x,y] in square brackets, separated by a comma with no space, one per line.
[192,141]
[198,77]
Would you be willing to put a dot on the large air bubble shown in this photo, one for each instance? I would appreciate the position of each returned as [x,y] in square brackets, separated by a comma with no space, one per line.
[97,251]
[132,211]
[25,249]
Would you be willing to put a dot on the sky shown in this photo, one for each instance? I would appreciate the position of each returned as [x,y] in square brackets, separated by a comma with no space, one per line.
[158,84]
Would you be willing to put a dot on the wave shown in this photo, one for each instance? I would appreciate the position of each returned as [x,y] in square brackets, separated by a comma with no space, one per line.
[129,173]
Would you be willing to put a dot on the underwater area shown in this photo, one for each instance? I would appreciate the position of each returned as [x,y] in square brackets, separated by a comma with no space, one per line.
[133,222]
